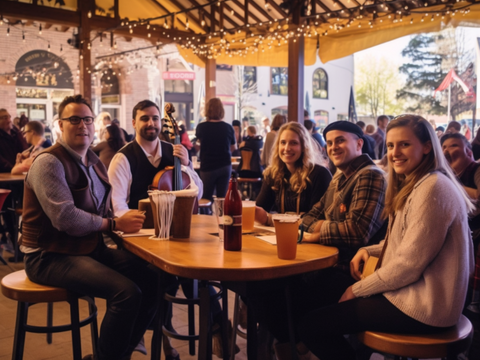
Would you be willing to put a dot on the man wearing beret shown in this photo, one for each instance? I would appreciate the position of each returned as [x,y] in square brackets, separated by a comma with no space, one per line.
[349,213]
[348,216]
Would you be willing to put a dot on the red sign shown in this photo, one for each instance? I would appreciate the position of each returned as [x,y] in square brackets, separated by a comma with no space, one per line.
[178,75]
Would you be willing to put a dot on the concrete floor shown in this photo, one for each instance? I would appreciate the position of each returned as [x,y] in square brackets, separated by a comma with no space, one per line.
[37,348]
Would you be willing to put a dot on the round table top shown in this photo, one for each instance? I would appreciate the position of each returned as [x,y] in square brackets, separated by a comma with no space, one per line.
[9,178]
[203,257]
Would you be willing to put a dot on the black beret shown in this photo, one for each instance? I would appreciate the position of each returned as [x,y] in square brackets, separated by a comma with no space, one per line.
[236,123]
[440,128]
[344,126]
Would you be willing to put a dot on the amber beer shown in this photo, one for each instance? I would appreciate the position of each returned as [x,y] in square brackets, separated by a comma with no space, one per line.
[286,231]
[233,217]
[248,216]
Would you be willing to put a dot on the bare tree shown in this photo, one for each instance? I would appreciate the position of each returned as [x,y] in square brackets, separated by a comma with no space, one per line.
[246,90]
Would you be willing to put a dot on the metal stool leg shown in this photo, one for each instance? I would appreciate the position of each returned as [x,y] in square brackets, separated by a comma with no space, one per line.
[191,319]
[19,339]
[92,309]
[49,321]
[74,318]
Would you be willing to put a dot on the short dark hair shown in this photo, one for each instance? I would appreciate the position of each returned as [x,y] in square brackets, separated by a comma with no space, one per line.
[236,123]
[455,136]
[36,127]
[454,124]
[361,124]
[381,118]
[143,105]
[75,99]
[309,125]
[305,113]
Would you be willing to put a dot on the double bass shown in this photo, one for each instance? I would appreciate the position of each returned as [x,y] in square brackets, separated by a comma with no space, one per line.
[171,178]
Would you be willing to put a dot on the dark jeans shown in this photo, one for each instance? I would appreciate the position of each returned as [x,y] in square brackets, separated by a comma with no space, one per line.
[216,180]
[308,292]
[322,330]
[123,279]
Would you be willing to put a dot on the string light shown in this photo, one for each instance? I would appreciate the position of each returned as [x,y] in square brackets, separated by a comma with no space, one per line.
[40,29]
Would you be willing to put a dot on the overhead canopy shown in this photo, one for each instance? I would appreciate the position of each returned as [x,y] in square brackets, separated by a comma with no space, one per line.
[256,32]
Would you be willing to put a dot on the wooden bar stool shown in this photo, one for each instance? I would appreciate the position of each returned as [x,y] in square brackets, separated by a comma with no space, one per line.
[17,286]
[446,344]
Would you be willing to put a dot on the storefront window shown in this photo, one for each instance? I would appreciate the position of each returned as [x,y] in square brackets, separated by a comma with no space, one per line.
[178,86]
[279,81]
[250,78]
[320,84]
[321,118]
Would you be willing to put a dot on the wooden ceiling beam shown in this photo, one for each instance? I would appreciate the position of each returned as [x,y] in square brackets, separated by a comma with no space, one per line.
[161,7]
[256,19]
[277,8]
[195,19]
[261,10]
[226,17]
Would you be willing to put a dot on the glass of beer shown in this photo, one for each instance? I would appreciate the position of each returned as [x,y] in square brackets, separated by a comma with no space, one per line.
[286,231]
[248,216]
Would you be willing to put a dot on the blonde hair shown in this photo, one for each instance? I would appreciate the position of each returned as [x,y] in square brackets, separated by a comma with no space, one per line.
[400,186]
[310,157]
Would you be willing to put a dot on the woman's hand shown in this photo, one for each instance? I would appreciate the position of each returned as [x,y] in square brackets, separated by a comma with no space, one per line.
[261,215]
[357,263]
[347,295]
[311,237]
[130,222]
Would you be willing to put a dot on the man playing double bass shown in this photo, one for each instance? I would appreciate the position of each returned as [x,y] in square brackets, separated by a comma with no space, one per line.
[134,167]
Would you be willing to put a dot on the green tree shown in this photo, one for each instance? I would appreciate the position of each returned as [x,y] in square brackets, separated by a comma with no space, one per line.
[424,74]
[376,83]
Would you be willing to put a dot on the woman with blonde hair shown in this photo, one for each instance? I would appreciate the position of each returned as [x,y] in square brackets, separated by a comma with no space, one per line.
[296,178]
[101,122]
[421,278]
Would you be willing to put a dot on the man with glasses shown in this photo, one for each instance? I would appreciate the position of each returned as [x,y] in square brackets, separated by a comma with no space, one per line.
[66,209]
[11,142]
[33,133]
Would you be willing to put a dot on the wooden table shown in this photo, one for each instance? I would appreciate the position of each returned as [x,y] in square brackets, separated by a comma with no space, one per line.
[7,178]
[203,257]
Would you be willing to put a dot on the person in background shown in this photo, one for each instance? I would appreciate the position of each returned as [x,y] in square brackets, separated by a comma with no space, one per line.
[421,282]
[23,121]
[310,126]
[12,142]
[113,142]
[245,125]
[185,141]
[65,211]
[252,143]
[277,122]
[370,129]
[126,136]
[369,142]
[433,123]
[217,142]
[465,130]
[476,146]
[101,122]
[16,122]
[33,133]
[265,126]
[237,128]
[379,136]
[453,127]
[440,130]
[296,178]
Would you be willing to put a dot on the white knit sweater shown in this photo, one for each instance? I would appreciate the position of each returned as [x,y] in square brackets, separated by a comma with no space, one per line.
[429,256]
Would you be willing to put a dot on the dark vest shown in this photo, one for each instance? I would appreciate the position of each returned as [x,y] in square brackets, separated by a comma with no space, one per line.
[37,229]
[468,180]
[142,170]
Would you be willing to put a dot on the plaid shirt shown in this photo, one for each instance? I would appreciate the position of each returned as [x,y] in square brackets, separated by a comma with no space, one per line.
[351,223]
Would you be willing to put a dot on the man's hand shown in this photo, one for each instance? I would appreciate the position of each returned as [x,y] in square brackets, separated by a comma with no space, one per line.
[181,152]
[130,222]
[347,295]
[19,159]
[357,263]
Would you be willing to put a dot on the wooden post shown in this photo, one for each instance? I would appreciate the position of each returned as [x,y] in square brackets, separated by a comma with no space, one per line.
[85,53]
[296,55]
[210,79]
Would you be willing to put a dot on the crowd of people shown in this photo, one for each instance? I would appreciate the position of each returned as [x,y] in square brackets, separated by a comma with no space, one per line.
[369,194]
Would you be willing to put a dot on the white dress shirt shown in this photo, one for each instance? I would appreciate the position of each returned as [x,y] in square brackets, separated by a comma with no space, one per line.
[120,177]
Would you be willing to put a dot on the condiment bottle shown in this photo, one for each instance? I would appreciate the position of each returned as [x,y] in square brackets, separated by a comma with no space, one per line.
[233,217]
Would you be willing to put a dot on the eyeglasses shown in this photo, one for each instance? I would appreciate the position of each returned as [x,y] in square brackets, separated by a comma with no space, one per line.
[5,117]
[26,132]
[75,120]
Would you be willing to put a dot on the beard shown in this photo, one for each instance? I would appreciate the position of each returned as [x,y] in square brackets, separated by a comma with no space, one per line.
[149,136]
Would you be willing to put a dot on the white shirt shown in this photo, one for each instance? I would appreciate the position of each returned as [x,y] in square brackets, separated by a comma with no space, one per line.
[120,177]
